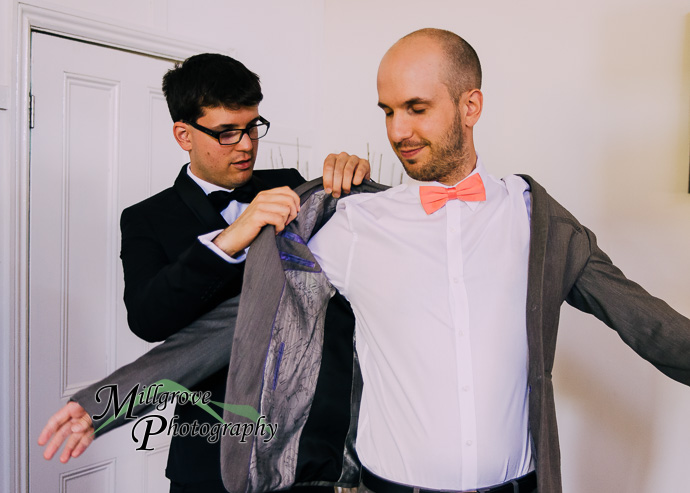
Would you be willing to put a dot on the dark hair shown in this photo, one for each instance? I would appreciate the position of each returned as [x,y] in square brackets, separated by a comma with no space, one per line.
[463,71]
[209,80]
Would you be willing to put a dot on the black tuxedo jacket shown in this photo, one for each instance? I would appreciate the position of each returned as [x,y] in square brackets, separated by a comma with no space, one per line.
[171,279]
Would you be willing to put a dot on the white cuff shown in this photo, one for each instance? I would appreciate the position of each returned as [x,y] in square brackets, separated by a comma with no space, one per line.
[207,240]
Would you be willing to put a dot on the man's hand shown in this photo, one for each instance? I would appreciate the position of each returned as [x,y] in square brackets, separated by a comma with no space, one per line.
[277,206]
[70,423]
[341,171]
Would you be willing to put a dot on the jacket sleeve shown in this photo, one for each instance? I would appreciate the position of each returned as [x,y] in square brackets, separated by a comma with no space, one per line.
[162,295]
[647,324]
[186,357]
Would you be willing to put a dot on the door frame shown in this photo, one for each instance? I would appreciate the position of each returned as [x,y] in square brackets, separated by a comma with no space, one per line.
[79,27]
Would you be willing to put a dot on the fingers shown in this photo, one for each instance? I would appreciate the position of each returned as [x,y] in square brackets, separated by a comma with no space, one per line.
[343,170]
[75,446]
[277,207]
[362,172]
[328,169]
[57,420]
[71,423]
[58,437]
[340,173]
[83,444]
[63,433]
[285,196]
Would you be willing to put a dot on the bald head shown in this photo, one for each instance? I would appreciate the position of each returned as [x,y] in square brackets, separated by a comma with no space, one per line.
[460,68]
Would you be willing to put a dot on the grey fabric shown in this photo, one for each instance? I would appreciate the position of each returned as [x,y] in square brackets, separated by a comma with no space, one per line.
[284,320]
[565,263]
[186,357]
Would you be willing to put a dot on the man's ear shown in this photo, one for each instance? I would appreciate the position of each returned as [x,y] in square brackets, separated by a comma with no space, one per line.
[471,105]
[182,135]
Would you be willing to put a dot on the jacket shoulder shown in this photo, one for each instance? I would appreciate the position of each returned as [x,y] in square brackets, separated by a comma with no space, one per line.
[164,199]
[544,205]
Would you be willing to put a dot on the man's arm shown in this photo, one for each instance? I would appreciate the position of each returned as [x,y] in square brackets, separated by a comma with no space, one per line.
[187,357]
[647,324]
[163,294]
[168,286]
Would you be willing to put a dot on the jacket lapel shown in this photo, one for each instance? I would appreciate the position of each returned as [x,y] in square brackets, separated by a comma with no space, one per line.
[195,198]
[539,226]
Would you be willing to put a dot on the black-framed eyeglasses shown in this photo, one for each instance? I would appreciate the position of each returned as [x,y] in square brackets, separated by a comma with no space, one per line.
[230,137]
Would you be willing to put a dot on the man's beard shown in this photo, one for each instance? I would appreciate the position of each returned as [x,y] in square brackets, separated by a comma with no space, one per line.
[444,159]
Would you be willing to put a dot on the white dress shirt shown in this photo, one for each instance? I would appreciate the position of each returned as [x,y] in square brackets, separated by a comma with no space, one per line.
[230,214]
[439,302]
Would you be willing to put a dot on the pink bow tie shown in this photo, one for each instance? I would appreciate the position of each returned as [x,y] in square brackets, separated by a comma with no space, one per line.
[469,190]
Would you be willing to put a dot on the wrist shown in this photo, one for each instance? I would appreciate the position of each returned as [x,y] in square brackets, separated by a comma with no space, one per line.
[226,241]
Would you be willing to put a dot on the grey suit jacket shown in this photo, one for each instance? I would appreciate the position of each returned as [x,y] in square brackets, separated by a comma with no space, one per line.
[277,363]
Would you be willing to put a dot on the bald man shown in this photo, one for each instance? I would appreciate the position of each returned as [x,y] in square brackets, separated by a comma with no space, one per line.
[456,285]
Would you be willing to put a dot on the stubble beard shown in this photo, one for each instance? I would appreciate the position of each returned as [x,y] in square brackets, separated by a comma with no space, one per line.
[445,159]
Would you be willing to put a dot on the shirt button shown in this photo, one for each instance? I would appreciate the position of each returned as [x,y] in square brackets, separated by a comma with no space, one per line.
[468,443]
[456,280]
[465,388]
[461,333]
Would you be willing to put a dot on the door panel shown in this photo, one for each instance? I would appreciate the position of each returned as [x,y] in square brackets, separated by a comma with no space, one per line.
[102,140]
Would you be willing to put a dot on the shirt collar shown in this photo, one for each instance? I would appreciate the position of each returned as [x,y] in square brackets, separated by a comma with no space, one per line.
[207,187]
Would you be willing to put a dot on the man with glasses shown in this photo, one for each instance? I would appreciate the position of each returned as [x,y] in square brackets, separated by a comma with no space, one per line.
[183,248]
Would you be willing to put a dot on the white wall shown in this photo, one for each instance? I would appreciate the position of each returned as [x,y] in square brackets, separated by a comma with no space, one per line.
[592,99]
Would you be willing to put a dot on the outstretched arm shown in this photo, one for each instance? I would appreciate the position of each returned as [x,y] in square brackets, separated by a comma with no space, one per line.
[647,324]
[186,357]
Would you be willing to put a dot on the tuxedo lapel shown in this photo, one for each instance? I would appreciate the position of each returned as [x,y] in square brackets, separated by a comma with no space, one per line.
[195,198]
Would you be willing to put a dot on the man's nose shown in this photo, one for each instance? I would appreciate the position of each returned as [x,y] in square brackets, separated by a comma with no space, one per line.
[245,143]
[399,128]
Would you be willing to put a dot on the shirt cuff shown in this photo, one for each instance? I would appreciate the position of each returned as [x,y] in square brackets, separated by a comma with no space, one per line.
[207,240]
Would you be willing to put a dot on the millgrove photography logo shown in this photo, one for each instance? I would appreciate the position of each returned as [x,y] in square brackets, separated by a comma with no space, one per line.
[164,392]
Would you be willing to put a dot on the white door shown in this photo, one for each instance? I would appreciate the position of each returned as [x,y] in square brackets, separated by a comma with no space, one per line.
[102,140]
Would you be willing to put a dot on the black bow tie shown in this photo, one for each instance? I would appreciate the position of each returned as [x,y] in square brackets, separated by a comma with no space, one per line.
[221,198]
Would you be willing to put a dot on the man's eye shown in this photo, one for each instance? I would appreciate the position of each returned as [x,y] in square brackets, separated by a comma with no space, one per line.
[230,134]
[418,111]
